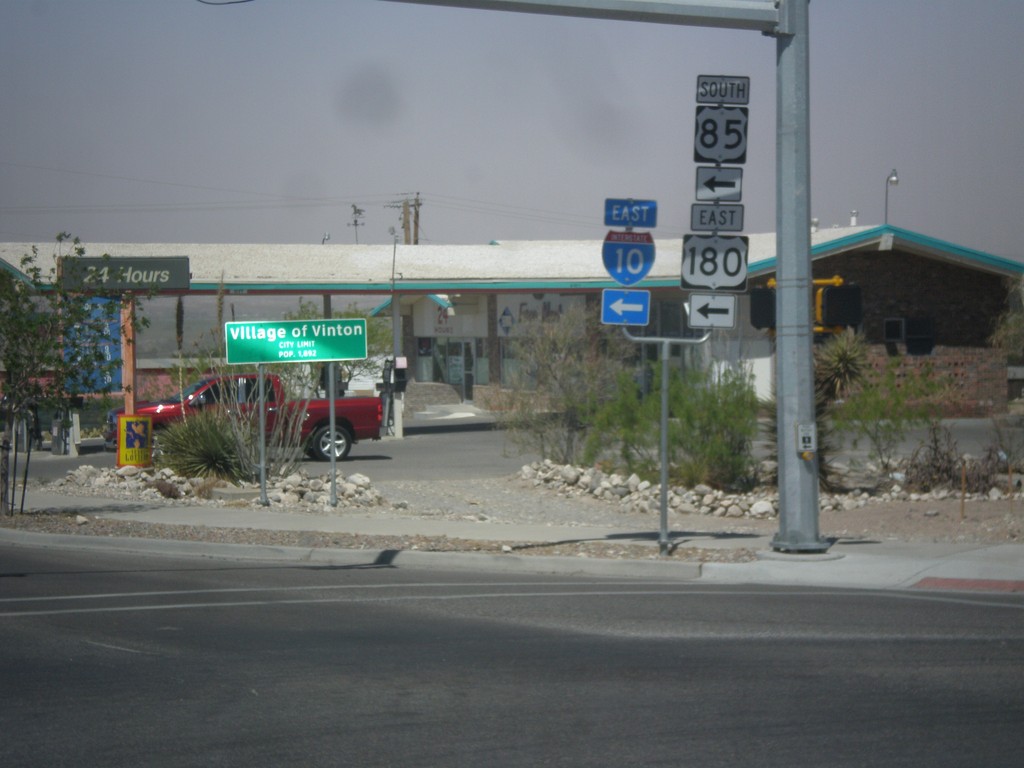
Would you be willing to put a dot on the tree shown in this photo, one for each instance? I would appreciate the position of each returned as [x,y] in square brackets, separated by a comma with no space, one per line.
[1009,333]
[887,403]
[567,368]
[51,342]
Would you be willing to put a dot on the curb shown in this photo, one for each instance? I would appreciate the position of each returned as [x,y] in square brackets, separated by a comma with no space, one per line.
[355,558]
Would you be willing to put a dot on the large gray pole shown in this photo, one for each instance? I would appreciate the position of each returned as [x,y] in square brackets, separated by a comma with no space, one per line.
[798,469]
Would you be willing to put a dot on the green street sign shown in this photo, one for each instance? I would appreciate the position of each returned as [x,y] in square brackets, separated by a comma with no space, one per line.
[295,341]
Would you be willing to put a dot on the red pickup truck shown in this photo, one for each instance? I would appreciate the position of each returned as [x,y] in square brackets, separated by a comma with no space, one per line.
[355,418]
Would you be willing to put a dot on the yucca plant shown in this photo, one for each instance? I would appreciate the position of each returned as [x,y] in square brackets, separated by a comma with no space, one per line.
[202,446]
[839,364]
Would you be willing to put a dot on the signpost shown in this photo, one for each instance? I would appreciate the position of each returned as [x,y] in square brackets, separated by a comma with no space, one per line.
[723,89]
[295,341]
[716,184]
[619,307]
[716,218]
[128,276]
[789,23]
[720,135]
[628,256]
[630,213]
[712,310]
[719,263]
[167,273]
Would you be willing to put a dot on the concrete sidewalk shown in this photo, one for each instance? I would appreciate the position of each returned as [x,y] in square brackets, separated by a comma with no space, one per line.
[851,564]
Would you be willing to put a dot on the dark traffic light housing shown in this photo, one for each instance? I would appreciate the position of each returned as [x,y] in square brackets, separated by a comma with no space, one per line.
[836,306]
[841,305]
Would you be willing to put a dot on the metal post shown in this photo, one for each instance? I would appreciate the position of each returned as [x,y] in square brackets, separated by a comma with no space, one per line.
[663,530]
[666,348]
[263,434]
[331,393]
[798,473]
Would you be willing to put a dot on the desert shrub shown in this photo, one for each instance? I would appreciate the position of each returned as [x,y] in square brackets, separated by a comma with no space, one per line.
[886,404]
[937,463]
[568,367]
[840,363]
[712,424]
[202,446]
[717,415]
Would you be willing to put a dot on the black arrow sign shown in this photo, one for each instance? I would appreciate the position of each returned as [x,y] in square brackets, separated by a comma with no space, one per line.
[714,184]
[707,310]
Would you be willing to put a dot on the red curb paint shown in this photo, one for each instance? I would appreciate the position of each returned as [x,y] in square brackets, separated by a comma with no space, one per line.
[977,585]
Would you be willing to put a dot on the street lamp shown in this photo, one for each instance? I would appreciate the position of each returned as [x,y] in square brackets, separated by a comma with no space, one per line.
[892,181]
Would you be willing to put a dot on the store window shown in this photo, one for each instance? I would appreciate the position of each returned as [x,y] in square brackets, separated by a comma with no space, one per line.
[462,363]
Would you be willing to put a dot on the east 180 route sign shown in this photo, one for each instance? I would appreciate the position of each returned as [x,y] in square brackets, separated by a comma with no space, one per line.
[711,261]
[295,341]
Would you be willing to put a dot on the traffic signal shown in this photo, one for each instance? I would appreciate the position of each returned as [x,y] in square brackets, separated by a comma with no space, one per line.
[841,305]
[762,308]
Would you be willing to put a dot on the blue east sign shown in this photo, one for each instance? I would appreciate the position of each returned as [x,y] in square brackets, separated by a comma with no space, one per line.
[631,213]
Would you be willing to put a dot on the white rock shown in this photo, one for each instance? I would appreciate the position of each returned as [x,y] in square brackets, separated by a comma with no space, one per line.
[359,480]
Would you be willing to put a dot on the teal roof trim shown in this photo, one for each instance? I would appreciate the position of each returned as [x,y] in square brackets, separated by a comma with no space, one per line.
[16,273]
[969,254]
[876,233]
[380,308]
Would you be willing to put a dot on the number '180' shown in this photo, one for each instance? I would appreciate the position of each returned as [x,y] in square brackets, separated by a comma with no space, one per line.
[714,261]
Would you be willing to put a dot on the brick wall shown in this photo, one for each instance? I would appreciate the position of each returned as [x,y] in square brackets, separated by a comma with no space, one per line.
[978,375]
[964,304]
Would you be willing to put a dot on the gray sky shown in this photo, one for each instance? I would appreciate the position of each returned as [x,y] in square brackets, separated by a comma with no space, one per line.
[174,121]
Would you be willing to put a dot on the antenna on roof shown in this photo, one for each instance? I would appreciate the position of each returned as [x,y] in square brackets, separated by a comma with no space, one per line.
[357,219]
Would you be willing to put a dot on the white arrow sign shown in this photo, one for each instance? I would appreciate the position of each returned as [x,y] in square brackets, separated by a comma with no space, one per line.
[619,307]
[712,310]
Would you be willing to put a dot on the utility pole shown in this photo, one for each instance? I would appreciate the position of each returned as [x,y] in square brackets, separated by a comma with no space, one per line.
[410,218]
[416,220]
[357,220]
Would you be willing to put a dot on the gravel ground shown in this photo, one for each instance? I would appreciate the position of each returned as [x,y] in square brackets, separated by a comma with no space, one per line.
[512,500]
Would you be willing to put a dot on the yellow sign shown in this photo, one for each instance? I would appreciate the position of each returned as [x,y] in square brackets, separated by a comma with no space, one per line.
[134,441]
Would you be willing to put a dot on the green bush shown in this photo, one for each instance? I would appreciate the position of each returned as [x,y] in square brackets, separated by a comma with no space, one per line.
[717,414]
[201,446]
[886,405]
[712,425]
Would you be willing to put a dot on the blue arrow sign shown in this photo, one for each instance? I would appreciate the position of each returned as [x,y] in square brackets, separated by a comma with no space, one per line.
[630,213]
[628,256]
[620,307]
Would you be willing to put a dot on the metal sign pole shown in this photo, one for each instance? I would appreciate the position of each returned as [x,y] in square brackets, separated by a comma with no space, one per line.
[798,473]
[332,368]
[663,544]
[263,434]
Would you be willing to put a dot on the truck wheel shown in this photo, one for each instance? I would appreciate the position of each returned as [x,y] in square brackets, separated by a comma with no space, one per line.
[320,443]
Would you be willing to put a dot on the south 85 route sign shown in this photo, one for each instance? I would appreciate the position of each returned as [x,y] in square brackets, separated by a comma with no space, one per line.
[718,263]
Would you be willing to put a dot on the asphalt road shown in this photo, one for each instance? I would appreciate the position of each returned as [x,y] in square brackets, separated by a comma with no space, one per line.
[114,660]
[450,450]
